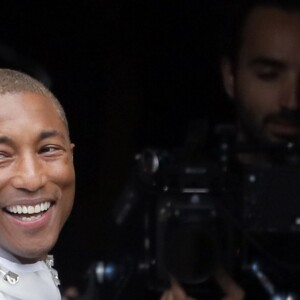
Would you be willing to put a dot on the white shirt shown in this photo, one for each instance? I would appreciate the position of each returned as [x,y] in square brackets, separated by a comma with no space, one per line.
[37,281]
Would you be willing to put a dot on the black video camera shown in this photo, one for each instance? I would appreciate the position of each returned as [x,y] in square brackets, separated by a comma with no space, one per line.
[191,217]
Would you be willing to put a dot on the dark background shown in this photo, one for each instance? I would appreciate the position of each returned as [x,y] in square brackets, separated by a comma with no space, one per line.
[130,74]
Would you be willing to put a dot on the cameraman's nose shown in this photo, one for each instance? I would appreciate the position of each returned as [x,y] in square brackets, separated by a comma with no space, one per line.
[29,174]
[291,98]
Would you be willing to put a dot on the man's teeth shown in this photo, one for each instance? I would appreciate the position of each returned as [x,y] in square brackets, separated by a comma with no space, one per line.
[32,218]
[29,209]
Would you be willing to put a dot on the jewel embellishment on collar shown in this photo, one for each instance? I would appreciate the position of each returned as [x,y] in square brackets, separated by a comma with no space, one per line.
[11,277]
[50,263]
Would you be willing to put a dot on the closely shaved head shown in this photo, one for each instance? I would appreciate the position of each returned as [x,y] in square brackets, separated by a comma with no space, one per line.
[12,81]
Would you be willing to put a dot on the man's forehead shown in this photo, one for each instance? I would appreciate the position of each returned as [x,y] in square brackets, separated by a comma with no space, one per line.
[24,95]
[20,110]
[23,103]
[272,31]
[264,19]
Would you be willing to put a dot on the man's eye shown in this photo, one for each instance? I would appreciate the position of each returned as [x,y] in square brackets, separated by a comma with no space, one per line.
[268,75]
[3,155]
[49,149]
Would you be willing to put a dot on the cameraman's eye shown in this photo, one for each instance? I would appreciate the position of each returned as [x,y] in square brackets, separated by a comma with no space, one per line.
[268,75]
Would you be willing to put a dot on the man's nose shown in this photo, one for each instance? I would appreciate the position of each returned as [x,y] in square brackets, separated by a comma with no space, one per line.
[291,100]
[29,174]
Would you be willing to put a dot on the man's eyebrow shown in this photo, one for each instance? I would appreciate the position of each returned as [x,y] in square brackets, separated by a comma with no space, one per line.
[6,140]
[50,133]
[268,62]
[43,135]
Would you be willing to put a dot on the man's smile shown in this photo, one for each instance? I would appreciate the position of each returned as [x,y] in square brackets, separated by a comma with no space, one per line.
[28,212]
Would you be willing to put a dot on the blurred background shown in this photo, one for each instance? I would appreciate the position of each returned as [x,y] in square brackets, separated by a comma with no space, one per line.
[130,74]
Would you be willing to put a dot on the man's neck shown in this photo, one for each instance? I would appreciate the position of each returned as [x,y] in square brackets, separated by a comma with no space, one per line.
[15,259]
[7,255]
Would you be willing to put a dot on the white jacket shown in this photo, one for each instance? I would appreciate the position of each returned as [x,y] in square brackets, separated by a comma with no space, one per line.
[36,281]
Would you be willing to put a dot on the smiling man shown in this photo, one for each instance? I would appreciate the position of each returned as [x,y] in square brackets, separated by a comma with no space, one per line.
[37,186]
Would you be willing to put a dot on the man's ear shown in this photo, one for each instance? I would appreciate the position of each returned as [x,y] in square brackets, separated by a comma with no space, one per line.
[72,146]
[228,77]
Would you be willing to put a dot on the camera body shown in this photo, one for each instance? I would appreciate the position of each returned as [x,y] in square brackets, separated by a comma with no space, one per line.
[198,215]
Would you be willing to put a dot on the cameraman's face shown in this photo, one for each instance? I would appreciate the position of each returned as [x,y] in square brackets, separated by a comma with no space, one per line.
[265,82]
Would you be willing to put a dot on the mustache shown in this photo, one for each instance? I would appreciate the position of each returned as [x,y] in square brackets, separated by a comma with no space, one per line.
[291,117]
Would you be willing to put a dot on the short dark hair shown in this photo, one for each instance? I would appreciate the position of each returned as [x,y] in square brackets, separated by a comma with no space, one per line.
[235,19]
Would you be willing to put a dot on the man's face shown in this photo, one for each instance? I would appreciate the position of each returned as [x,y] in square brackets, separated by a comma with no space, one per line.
[265,82]
[37,178]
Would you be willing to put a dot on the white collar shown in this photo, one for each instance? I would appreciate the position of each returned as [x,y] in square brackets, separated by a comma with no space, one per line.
[17,267]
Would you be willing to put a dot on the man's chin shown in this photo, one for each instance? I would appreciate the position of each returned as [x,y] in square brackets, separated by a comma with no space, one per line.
[270,139]
[32,253]
[283,138]
[31,260]
[283,132]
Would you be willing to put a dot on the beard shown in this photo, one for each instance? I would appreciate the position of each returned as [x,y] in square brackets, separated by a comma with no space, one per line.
[271,144]
[255,130]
